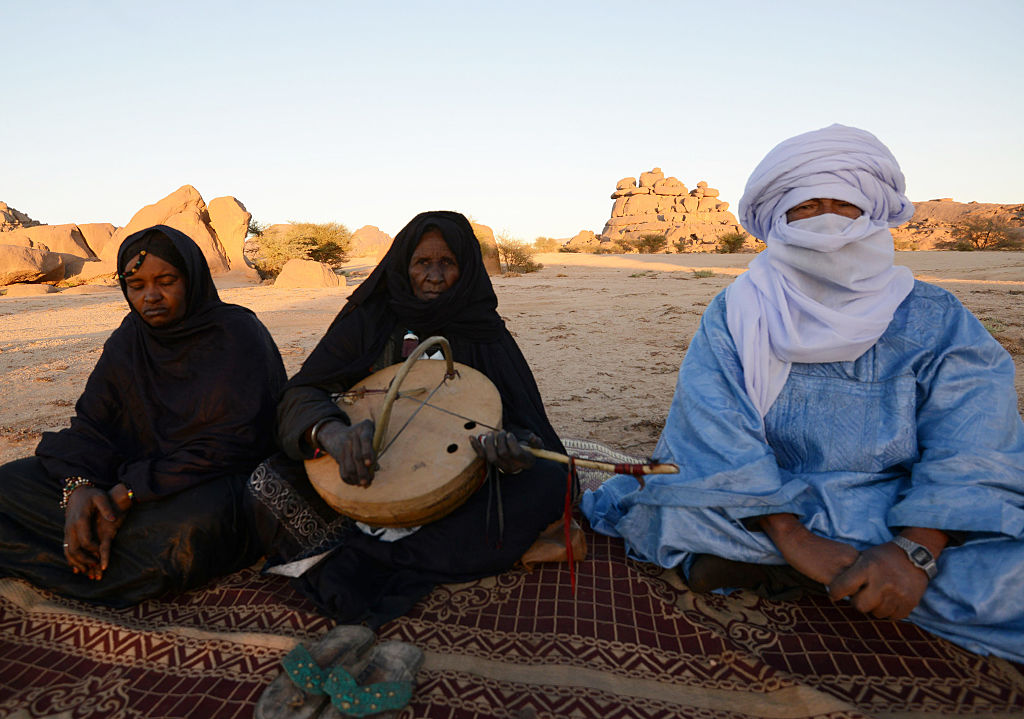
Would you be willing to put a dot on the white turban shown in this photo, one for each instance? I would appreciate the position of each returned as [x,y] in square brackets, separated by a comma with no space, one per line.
[814,296]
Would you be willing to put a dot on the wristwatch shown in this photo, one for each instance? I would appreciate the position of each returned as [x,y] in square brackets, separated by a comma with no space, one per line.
[918,554]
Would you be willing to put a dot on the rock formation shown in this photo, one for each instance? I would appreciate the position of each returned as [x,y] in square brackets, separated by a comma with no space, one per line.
[369,241]
[183,210]
[307,273]
[11,219]
[229,221]
[55,238]
[88,251]
[691,220]
[584,241]
[488,248]
[29,264]
[933,221]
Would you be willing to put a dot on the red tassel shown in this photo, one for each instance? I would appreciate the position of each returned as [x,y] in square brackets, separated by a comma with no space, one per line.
[568,523]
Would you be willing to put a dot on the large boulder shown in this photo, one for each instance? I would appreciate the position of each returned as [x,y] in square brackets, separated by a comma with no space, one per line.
[583,241]
[26,290]
[97,235]
[306,273]
[369,241]
[229,221]
[183,210]
[29,264]
[649,179]
[56,238]
[488,248]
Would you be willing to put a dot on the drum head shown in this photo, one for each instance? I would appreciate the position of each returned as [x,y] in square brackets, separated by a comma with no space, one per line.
[429,468]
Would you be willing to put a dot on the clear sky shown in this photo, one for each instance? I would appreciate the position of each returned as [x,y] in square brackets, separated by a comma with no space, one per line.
[521,114]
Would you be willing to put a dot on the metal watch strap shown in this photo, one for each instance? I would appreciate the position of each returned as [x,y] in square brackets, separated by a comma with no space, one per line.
[919,555]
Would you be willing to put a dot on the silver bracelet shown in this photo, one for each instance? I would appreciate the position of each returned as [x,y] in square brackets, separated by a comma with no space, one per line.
[316,430]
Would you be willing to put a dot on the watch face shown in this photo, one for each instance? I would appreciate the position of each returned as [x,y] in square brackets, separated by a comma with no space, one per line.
[921,555]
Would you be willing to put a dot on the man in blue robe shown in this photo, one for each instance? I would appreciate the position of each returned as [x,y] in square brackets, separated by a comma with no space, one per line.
[840,420]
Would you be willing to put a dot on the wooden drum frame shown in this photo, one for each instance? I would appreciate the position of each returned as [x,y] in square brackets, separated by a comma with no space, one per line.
[426,466]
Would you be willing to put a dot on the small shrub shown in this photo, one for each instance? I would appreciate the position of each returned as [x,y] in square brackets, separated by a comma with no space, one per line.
[703,273]
[255,228]
[546,244]
[651,244]
[517,255]
[326,242]
[566,248]
[731,242]
[983,234]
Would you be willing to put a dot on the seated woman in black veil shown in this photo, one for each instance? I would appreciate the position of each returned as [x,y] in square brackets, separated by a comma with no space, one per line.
[143,493]
[431,282]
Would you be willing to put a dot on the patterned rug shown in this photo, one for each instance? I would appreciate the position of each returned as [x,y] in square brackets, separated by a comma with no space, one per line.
[632,642]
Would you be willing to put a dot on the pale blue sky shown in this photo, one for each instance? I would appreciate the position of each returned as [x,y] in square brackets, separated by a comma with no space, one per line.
[523,115]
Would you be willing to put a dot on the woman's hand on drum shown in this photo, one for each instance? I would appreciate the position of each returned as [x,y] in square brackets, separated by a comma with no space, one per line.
[90,525]
[504,450]
[352,448]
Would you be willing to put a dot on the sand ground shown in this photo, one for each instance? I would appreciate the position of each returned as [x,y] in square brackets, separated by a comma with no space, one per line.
[604,334]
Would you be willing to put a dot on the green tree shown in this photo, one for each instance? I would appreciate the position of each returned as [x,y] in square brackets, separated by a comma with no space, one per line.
[517,255]
[326,242]
[731,242]
[983,234]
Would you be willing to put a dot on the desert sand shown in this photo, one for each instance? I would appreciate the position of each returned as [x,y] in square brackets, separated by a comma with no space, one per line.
[604,334]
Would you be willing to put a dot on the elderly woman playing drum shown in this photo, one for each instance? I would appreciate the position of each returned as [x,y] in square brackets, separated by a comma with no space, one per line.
[838,423]
[431,282]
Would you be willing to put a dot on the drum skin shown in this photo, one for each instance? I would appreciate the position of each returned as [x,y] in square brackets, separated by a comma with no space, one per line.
[431,468]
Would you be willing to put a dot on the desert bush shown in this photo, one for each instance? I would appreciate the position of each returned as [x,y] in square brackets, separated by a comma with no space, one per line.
[546,244]
[623,245]
[566,248]
[255,229]
[517,255]
[651,244]
[731,242]
[326,242]
[904,244]
[983,234]
[703,273]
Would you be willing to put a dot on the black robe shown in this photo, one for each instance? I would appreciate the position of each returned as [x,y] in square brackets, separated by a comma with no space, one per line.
[181,414]
[364,578]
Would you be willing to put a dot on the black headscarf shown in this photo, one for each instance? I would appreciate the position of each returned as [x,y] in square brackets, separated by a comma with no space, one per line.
[466,314]
[170,407]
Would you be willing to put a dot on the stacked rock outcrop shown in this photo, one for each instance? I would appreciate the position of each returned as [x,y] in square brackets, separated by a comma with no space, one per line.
[691,220]
[11,219]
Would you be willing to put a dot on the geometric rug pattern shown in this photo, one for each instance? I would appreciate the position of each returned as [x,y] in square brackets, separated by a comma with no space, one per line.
[632,642]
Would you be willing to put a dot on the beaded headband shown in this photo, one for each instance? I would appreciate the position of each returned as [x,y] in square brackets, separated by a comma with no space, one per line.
[135,268]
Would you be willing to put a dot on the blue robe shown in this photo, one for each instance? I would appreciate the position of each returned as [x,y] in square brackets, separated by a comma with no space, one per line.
[922,430]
